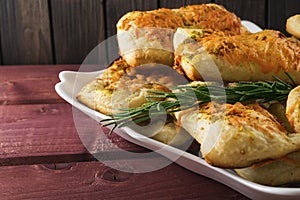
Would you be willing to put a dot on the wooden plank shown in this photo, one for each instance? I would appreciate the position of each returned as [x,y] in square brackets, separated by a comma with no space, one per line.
[115,9]
[78,27]
[25,32]
[18,85]
[35,119]
[254,10]
[177,4]
[279,11]
[94,180]
[32,133]
[38,130]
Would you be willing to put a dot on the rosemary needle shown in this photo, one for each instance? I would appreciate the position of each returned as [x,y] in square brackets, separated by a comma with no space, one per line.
[187,96]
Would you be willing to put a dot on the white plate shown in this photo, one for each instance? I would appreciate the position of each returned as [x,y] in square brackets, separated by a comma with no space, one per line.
[72,82]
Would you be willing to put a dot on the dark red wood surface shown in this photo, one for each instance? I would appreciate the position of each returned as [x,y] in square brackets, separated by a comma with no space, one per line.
[43,157]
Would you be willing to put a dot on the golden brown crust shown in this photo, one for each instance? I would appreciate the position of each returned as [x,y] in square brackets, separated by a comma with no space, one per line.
[250,57]
[235,136]
[269,48]
[274,172]
[211,16]
[107,101]
[123,86]
[162,18]
[139,45]
[202,16]
[113,73]
[95,96]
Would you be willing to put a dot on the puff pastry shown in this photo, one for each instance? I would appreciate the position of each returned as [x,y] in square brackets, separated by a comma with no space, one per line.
[236,136]
[244,57]
[208,39]
[285,169]
[276,172]
[120,86]
[147,36]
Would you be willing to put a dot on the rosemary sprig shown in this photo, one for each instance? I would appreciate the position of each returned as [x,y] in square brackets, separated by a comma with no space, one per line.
[187,96]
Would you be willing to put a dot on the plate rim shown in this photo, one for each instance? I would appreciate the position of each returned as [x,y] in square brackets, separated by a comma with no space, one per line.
[186,160]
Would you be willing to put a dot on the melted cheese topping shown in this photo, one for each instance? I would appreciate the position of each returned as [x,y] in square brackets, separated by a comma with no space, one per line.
[270,49]
[250,57]
[202,16]
[210,16]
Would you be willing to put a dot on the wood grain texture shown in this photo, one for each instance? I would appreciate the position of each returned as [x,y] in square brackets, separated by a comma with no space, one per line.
[279,11]
[18,85]
[254,10]
[25,32]
[38,130]
[78,27]
[115,9]
[94,180]
[38,126]
[47,133]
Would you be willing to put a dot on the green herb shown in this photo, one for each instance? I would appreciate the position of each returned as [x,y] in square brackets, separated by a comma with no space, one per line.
[187,96]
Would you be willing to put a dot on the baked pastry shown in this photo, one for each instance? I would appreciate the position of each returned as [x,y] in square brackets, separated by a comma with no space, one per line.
[244,57]
[97,97]
[293,109]
[171,135]
[231,136]
[293,25]
[276,172]
[147,36]
[236,136]
[121,86]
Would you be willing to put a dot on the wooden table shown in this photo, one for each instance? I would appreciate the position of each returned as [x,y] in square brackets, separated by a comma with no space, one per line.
[43,157]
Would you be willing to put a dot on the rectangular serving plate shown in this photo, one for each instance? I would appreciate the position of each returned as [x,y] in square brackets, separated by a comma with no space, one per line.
[71,83]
